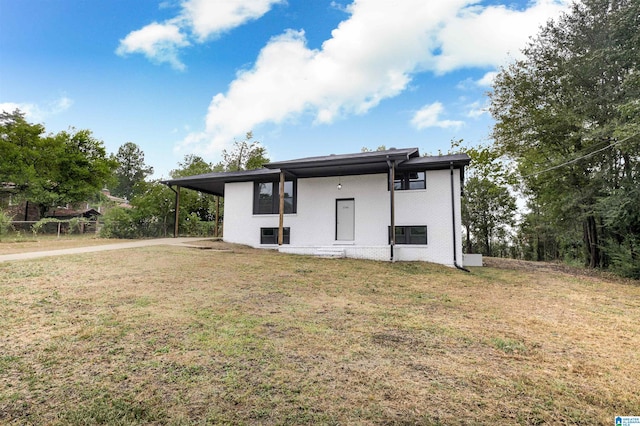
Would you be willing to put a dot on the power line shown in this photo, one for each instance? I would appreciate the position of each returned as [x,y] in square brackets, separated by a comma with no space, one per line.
[580,158]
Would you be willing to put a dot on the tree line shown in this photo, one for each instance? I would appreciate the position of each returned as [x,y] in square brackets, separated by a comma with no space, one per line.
[50,170]
[567,142]
[154,212]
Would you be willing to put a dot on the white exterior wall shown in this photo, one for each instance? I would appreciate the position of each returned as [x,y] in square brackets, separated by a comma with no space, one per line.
[315,222]
[313,227]
[240,225]
[431,207]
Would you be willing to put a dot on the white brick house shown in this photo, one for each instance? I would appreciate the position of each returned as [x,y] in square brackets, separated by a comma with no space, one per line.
[346,205]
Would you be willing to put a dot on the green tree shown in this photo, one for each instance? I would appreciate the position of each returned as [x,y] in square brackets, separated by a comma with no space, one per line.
[203,205]
[83,167]
[119,223]
[20,142]
[131,170]
[28,158]
[621,216]
[488,207]
[567,113]
[245,155]
[51,170]
[488,213]
[151,214]
[153,209]
[192,165]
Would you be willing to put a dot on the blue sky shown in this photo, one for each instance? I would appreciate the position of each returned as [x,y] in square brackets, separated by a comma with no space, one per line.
[308,77]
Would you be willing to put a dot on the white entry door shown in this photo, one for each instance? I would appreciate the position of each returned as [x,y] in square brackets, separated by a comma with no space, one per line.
[345,219]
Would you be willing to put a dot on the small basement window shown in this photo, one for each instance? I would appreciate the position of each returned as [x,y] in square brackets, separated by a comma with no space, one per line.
[270,235]
[410,235]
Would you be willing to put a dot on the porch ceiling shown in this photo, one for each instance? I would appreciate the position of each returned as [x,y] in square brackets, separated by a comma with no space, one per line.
[213,183]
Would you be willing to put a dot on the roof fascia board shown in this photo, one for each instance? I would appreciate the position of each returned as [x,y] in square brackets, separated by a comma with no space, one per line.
[437,162]
[332,165]
[346,159]
[247,176]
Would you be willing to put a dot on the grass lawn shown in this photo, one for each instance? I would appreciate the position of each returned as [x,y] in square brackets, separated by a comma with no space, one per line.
[22,243]
[180,336]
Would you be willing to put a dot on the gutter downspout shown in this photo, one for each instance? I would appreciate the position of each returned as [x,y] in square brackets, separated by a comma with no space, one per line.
[453,220]
[392,202]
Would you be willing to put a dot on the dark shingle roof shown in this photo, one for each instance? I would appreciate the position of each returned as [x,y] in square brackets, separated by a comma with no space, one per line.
[345,164]
[329,165]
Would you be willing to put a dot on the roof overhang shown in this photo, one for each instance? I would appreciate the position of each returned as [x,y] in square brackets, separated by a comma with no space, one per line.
[213,183]
[407,159]
[436,162]
[346,164]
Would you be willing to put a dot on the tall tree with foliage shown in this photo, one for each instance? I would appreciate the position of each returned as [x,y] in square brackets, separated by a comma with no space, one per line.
[51,170]
[83,166]
[568,115]
[488,214]
[245,155]
[192,165]
[203,205]
[131,170]
[488,207]
[28,158]
[20,143]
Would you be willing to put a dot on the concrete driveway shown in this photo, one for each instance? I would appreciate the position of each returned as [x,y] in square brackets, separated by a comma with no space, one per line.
[115,246]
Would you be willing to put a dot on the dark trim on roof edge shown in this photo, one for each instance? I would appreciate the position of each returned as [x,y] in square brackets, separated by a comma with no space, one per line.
[372,162]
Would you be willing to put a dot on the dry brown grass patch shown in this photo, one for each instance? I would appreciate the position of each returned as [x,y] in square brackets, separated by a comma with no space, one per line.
[173,335]
[27,243]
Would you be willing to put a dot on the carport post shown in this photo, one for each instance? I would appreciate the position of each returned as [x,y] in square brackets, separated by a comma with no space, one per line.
[217,217]
[281,210]
[177,216]
[392,203]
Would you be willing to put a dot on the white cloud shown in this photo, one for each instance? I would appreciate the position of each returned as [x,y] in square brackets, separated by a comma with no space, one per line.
[208,18]
[487,79]
[27,108]
[158,42]
[62,104]
[370,57]
[486,36]
[477,109]
[429,116]
[198,21]
[36,113]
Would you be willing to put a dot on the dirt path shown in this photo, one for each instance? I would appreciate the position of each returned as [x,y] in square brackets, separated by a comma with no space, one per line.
[88,249]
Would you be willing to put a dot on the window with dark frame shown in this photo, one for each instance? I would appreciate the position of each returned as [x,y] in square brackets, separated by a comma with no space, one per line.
[410,235]
[409,180]
[270,235]
[266,197]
